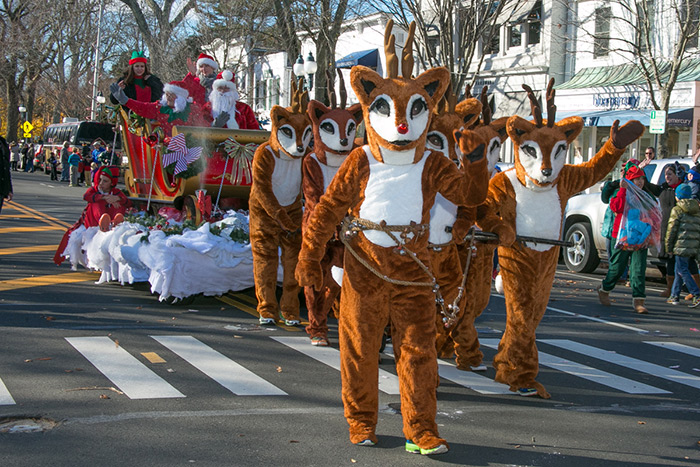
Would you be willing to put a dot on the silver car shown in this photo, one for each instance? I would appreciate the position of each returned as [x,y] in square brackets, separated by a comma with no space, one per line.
[584,215]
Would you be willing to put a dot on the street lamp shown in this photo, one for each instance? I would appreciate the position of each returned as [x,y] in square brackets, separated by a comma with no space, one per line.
[302,68]
[23,116]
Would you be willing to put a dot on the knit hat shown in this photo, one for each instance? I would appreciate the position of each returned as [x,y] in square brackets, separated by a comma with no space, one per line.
[207,60]
[138,57]
[178,88]
[683,191]
[634,172]
[695,172]
[225,78]
[112,171]
[679,170]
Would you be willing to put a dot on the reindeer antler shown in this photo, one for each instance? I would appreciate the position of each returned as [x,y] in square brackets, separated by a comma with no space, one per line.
[485,107]
[341,87]
[534,105]
[551,108]
[300,99]
[392,60]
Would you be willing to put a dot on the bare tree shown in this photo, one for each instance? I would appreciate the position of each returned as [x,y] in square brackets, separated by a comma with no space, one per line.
[449,33]
[657,37]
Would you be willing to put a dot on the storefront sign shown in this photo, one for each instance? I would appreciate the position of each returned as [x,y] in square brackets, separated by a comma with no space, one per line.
[611,102]
[657,122]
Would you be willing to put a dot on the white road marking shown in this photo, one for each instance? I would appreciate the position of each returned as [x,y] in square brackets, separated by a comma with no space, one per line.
[583,371]
[677,347]
[388,382]
[234,377]
[124,370]
[629,362]
[5,396]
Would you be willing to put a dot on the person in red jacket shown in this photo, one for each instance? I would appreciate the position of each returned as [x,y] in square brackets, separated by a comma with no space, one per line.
[174,108]
[225,108]
[106,206]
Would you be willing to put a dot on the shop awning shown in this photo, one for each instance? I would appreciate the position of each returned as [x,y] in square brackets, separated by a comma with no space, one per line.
[366,58]
[626,74]
[678,118]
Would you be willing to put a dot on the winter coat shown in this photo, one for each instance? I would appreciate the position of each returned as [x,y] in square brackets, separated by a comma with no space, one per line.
[683,233]
[151,92]
[667,200]
[14,153]
[5,177]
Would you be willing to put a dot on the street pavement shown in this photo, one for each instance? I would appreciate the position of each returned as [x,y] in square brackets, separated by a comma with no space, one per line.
[115,377]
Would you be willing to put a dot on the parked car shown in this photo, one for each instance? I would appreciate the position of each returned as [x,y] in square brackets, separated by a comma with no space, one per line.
[583,219]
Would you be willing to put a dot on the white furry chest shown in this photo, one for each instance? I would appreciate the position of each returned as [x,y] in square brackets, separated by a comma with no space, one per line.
[537,213]
[286,180]
[442,215]
[327,171]
[394,194]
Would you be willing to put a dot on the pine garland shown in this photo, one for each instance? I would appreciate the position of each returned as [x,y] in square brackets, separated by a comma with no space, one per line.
[159,223]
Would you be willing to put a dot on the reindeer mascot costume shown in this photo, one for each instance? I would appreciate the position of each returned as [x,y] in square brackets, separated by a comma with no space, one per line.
[389,187]
[478,287]
[529,200]
[334,131]
[275,209]
[448,224]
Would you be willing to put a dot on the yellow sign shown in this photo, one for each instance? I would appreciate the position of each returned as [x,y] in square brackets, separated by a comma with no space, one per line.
[27,135]
[27,127]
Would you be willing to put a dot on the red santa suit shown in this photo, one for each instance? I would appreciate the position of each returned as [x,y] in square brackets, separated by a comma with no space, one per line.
[241,115]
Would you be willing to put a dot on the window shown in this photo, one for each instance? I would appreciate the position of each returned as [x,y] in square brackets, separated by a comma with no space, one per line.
[534,24]
[601,40]
[491,44]
[690,11]
[515,35]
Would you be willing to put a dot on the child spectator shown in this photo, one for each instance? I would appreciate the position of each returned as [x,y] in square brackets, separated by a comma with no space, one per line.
[693,178]
[683,240]
[620,257]
[53,166]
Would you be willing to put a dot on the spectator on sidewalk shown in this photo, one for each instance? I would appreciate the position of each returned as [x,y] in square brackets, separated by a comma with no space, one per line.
[53,166]
[65,168]
[683,240]
[74,164]
[14,156]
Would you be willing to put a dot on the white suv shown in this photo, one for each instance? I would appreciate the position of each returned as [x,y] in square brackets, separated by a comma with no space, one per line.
[584,215]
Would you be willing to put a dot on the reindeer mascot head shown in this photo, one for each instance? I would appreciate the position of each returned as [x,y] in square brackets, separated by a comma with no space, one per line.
[529,201]
[275,208]
[387,188]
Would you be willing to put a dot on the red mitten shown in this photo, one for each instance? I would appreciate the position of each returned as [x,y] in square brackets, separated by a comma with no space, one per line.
[309,274]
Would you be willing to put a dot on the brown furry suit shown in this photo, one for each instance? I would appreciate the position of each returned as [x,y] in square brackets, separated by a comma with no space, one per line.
[393,178]
[275,209]
[530,200]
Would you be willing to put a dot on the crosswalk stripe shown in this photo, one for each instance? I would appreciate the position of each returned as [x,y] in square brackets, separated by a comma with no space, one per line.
[677,347]
[130,375]
[586,372]
[234,377]
[388,382]
[629,362]
[5,396]
[468,379]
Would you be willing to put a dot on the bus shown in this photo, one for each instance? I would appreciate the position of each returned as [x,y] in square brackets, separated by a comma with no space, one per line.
[77,133]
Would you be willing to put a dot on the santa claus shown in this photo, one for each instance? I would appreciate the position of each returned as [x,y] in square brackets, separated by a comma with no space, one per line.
[226,110]
[174,108]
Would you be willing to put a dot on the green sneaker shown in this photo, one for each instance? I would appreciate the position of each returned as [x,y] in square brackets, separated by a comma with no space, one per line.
[415,449]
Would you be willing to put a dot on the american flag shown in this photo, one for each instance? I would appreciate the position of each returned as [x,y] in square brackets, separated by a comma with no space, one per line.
[179,154]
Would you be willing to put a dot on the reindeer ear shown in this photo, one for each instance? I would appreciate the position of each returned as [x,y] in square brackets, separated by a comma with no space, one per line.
[469,111]
[363,81]
[517,126]
[571,127]
[278,113]
[356,112]
[435,82]
[316,110]
[500,126]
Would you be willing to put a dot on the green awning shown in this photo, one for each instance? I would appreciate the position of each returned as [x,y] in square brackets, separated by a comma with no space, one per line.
[627,74]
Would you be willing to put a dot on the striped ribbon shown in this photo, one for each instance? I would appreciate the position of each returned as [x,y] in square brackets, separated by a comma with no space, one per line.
[179,154]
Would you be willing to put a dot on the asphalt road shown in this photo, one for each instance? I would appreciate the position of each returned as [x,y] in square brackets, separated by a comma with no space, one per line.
[118,378]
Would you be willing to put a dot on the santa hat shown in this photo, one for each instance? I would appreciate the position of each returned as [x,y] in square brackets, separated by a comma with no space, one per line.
[225,78]
[111,171]
[138,57]
[207,60]
[178,88]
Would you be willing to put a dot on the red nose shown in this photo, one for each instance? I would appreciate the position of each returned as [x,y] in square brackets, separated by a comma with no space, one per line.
[403,128]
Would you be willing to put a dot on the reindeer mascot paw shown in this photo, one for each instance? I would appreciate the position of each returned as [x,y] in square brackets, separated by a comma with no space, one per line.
[388,187]
[275,209]
[530,199]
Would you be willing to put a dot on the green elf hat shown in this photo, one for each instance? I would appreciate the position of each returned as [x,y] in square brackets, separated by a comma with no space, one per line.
[138,57]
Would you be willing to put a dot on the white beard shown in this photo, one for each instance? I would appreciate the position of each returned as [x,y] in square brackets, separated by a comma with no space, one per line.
[225,102]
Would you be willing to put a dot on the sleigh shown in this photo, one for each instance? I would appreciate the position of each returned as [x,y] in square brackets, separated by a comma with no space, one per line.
[224,181]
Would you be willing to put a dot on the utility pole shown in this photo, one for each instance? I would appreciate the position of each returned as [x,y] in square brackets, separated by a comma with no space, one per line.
[95,75]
